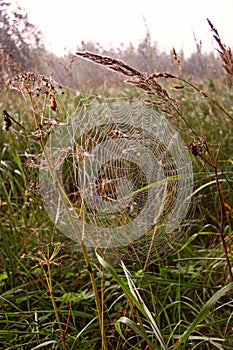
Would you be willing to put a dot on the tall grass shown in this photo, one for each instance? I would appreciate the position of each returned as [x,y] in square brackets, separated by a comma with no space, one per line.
[58,295]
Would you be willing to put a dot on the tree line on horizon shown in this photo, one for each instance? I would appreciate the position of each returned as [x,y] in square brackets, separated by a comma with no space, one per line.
[22,49]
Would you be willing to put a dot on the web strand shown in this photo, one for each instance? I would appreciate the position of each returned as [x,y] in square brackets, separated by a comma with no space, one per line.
[123,170]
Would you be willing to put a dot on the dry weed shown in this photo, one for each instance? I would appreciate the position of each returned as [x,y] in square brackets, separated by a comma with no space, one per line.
[224,51]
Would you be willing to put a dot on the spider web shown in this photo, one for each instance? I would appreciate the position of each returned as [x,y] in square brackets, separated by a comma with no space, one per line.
[117,173]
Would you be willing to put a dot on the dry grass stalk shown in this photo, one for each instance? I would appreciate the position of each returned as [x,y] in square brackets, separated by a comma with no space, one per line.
[176,60]
[198,44]
[142,80]
[224,51]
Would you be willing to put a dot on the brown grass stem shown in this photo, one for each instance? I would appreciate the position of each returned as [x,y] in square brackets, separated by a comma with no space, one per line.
[139,319]
[33,108]
[50,287]
[221,225]
[47,258]
[96,294]
[214,165]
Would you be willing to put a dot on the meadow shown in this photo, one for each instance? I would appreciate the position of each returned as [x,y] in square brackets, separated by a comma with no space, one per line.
[55,292]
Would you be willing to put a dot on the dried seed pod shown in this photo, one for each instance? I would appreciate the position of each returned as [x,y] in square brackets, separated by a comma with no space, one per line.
[7,121]
[53,103]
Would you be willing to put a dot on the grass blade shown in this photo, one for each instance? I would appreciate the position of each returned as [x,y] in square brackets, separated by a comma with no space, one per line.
[132,293]
[203,313]
[134,327]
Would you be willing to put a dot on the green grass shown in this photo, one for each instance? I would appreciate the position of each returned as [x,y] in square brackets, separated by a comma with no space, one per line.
[185,296]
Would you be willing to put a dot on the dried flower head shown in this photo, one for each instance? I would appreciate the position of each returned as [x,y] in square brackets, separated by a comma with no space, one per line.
[32,83]
[48,255]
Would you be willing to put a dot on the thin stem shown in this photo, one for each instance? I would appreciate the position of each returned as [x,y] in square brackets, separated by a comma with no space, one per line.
[140,322]
[221,226]
[102,296]
[97,299]
[43,110]
[206,96]
[221,203]
[50,287]
[36,122]
[33,109]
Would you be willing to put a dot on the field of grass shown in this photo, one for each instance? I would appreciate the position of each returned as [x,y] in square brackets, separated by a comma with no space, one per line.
[56,294]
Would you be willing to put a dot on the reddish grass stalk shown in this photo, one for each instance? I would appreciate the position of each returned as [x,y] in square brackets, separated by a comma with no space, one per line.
[214,166]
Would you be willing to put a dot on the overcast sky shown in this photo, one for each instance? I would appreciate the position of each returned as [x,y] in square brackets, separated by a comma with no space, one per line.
[171,22]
